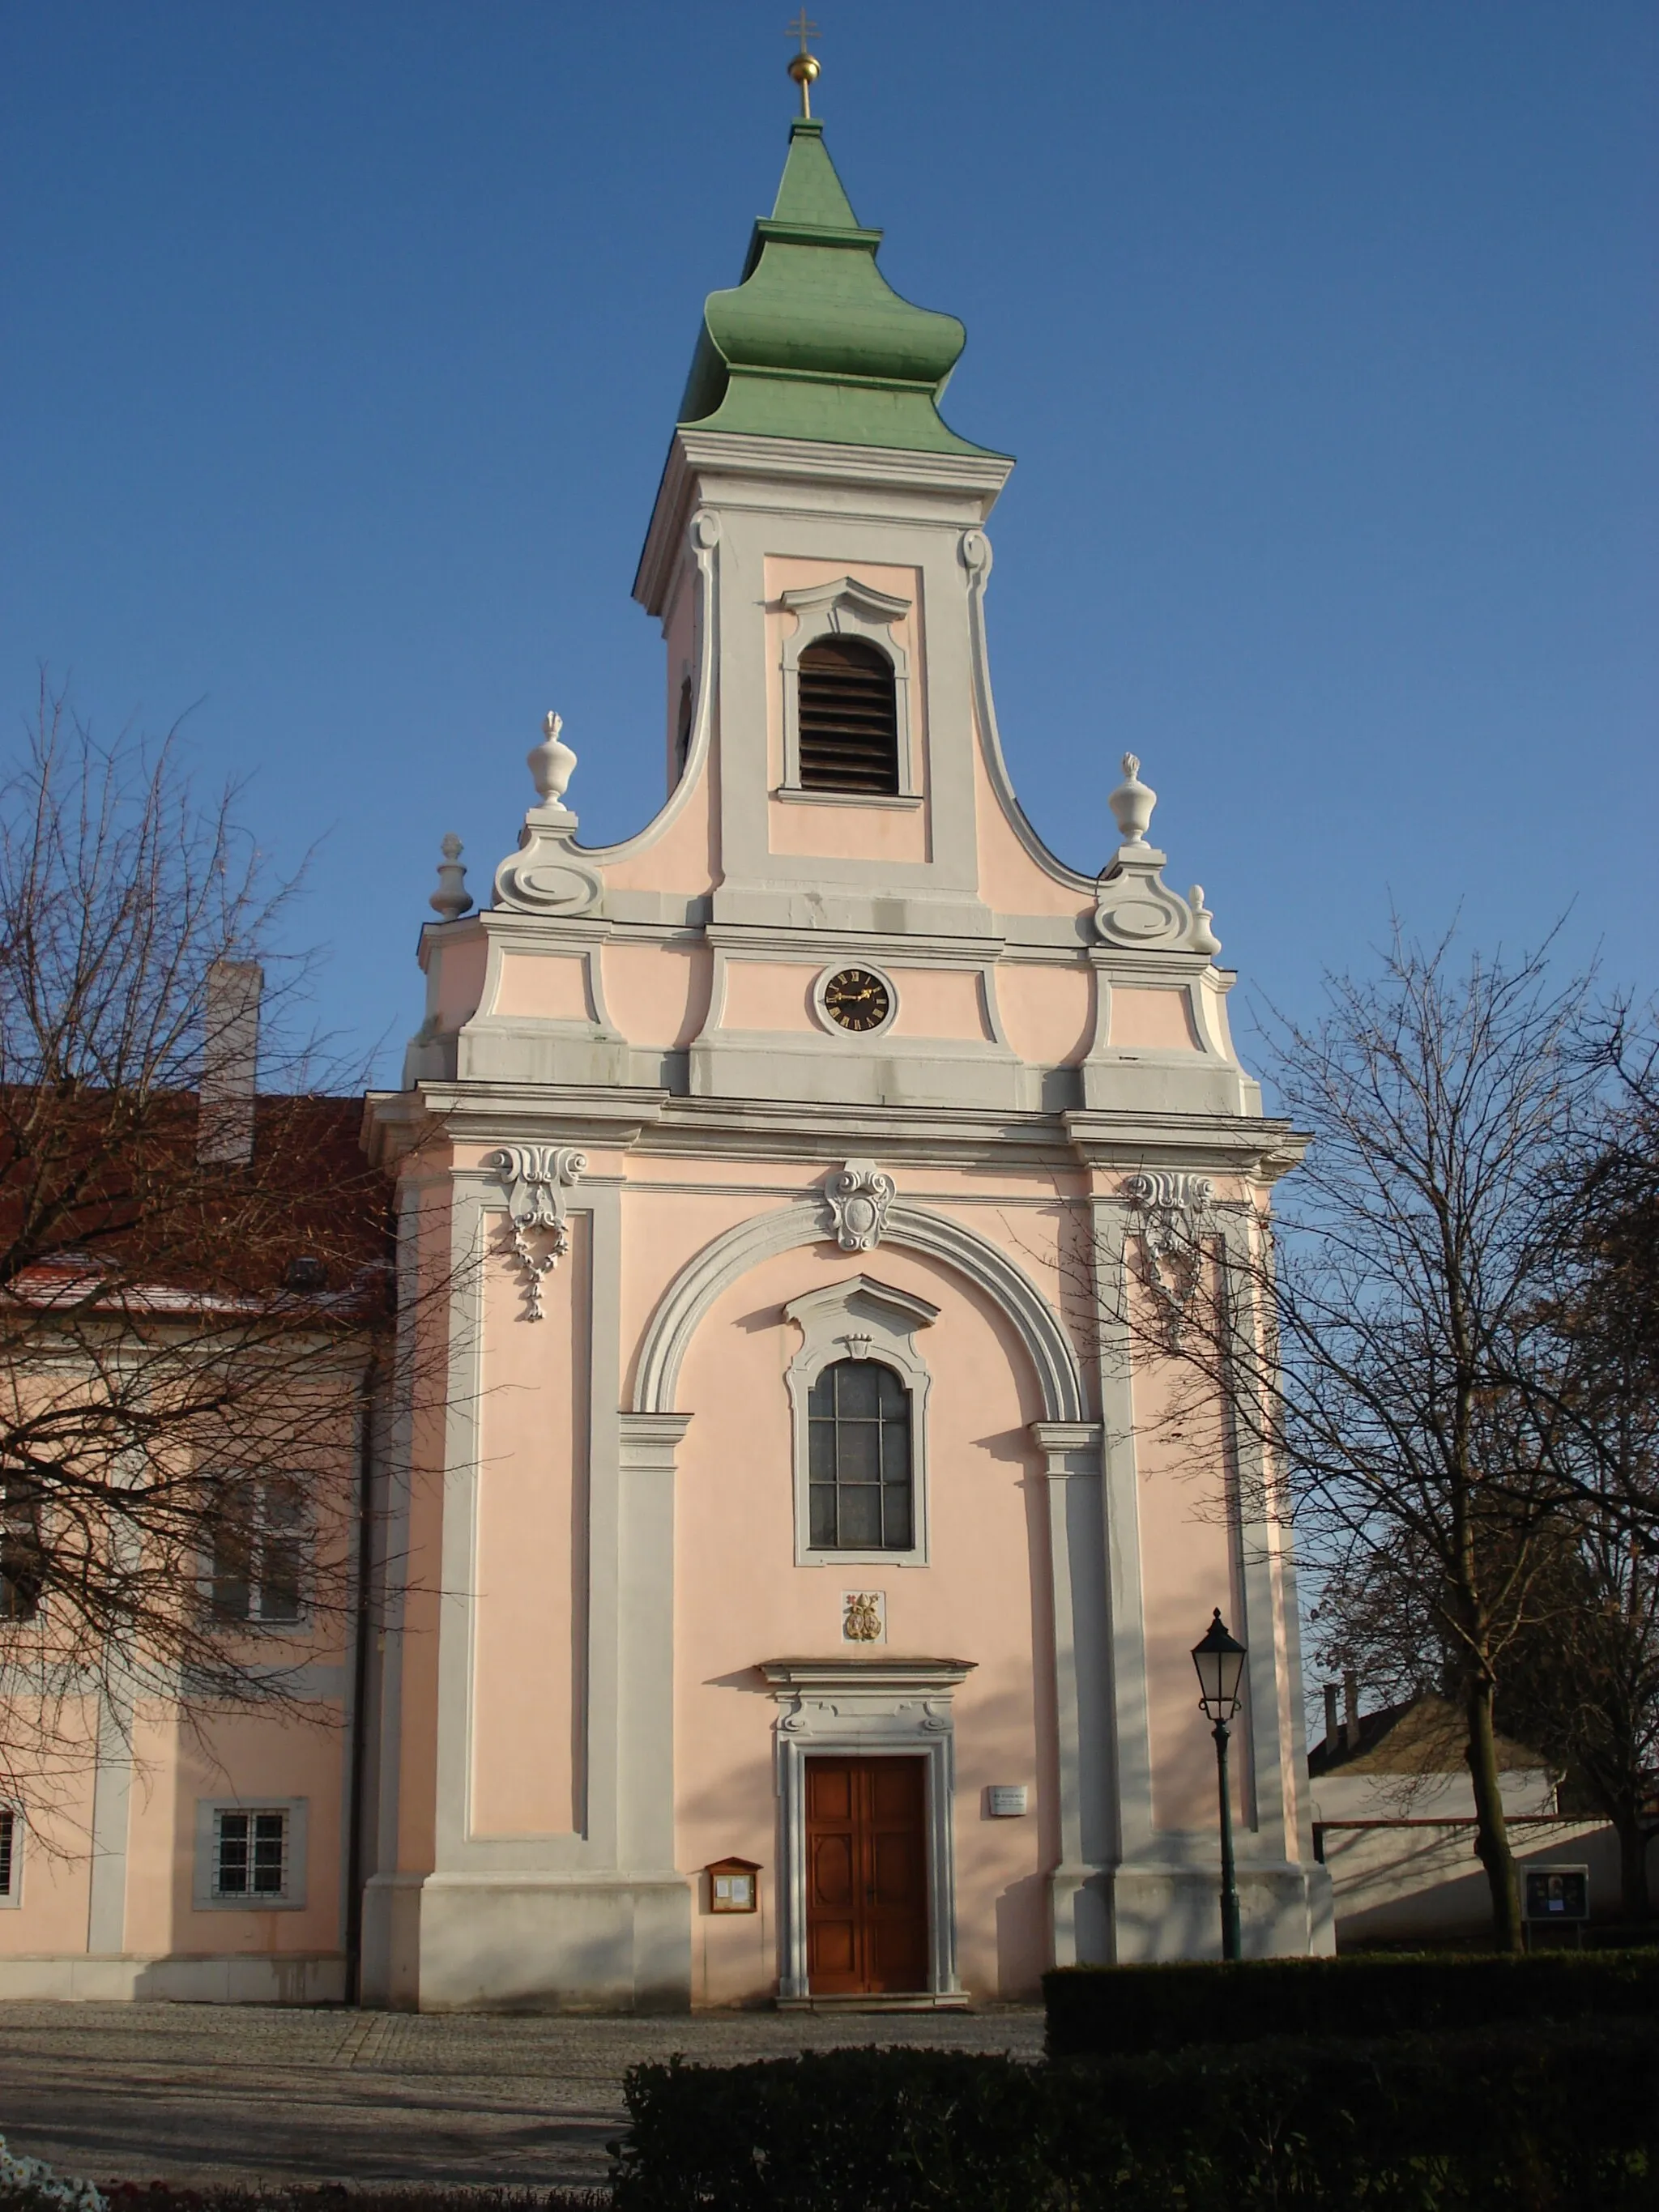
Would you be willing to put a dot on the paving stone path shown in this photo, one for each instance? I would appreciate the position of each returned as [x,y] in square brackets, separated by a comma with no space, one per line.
[201,2094]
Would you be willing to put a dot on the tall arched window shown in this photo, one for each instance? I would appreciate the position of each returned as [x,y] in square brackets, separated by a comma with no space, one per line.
[848,718]
[859,1478]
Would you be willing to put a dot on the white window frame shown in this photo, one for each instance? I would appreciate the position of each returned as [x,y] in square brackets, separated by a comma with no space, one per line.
[12,1896]
[254,1622]
[205,1896]
[858,1319]
[846,608]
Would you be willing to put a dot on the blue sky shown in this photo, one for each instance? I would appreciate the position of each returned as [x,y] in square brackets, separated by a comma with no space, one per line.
[344,342]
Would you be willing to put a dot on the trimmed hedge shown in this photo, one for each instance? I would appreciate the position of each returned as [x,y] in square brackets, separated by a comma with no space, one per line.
[1538,2119]
[1123,2009]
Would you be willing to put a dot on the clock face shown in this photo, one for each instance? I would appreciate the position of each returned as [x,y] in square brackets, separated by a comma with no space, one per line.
[855,1000]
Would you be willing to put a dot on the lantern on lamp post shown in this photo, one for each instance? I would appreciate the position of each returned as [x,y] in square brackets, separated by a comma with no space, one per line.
[1219,1659]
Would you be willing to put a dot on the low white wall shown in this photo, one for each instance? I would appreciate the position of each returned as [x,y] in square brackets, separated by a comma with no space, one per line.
[1403,1879]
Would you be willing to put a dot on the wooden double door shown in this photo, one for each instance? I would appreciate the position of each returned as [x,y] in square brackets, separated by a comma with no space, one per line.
[867,1876]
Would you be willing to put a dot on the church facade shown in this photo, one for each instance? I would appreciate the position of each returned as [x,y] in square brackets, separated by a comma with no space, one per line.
[785,1593]
[805,1596]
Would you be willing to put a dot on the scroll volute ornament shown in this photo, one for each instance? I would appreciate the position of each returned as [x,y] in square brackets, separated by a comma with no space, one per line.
[544,876]
[1134,907]
[539,1179]
[1170,1212]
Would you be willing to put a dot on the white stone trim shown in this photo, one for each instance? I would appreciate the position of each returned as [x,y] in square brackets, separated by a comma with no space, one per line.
[846,608]
[703,538]
[863,1708]
[1076,1909]
[974,548]
[727,1257]
[881,1322]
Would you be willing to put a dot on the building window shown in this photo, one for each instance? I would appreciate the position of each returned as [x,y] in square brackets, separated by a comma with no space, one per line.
[250,1855]
[9,1855]
[858,1403]
[22,1558]
[258,1543]
[848,717]
[858,1479]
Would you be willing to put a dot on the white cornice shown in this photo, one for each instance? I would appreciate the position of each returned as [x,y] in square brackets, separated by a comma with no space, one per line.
[970,481]
[822,1676]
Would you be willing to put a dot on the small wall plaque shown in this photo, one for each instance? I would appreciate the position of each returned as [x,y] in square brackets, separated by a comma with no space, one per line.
[1006,1800]
[1556,1893]
[733,1887]
[863,1616]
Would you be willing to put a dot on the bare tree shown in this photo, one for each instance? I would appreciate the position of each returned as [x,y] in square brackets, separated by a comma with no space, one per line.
[1586,1686]
[194,1303]
[1374,1344]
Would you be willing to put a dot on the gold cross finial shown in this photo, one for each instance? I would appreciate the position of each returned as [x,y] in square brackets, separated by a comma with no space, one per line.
[804,66]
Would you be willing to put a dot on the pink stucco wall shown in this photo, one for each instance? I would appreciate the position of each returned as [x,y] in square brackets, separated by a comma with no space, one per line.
[530,1519]
[739,1599]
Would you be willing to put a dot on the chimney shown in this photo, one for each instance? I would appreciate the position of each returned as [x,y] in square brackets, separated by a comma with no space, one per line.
[1330,1719]
[230,1063]
[1351,1700]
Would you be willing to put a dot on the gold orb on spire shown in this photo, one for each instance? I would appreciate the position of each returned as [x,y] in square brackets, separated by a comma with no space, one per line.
[805,67]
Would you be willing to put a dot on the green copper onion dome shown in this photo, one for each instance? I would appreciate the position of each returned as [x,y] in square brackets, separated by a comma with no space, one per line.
[814,342]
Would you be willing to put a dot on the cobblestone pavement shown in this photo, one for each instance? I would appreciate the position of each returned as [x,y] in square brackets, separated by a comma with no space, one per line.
[204,2095]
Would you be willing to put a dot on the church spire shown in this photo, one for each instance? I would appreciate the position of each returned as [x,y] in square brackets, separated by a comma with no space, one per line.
[813,341]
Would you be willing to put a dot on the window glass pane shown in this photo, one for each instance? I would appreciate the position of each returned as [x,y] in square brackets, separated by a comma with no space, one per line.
[821,1449]
[21,1558]
[8,1829]
[857,1462]
[861,1518]
[281,1507]
[855,1388]
[859,1442]
[231,1877]
[895,1451]
[270,1837]
[232,1575]
[279,1583]
[20,1580]
[896,1517]
[894,1399]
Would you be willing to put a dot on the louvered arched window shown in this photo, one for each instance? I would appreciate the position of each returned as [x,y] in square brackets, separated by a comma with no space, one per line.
[848,718]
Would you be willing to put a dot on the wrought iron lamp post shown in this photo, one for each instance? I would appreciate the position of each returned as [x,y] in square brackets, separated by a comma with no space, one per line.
[1219,1659]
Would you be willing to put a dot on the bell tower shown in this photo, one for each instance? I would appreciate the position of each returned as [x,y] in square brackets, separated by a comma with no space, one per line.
[814,494]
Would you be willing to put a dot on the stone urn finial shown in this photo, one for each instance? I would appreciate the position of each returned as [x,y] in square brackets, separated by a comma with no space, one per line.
[551,763]
[452,898]
[1132,804]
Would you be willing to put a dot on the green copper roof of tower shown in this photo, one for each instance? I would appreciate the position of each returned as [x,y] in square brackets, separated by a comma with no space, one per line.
[814,342]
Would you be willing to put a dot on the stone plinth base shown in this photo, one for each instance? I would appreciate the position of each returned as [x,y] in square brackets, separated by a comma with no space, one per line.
[453,1942]
[256,1980]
